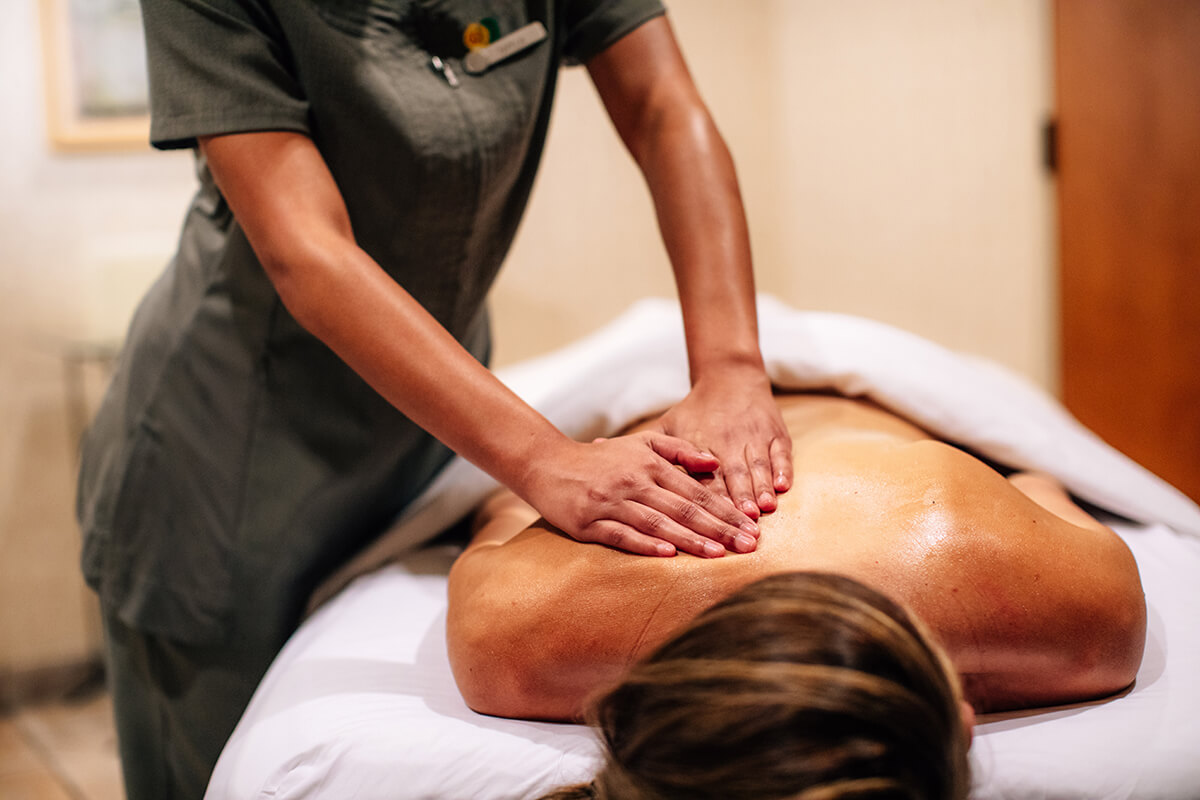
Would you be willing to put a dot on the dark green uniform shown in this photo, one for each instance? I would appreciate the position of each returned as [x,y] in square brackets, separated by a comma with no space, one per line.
[236,460]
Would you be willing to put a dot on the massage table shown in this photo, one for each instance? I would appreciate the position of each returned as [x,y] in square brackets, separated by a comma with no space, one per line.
[361,703]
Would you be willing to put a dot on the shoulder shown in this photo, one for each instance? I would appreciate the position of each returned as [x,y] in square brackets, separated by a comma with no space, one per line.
[1035,607]
[538,622]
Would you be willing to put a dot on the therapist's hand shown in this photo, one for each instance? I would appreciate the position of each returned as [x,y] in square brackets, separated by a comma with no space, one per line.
[628,493]
[732,414]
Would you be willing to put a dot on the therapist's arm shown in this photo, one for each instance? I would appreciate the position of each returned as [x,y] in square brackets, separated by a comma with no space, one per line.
[622,492]
[656,108]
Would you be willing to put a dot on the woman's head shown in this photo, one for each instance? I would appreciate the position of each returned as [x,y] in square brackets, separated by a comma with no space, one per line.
[805,686]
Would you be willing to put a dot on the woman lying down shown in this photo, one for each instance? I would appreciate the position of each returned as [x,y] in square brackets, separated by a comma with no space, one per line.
[900,584]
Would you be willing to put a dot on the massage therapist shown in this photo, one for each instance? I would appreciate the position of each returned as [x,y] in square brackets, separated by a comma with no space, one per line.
[317,346]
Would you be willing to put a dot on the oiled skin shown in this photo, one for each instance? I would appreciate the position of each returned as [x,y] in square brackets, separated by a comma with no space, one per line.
[1035,602]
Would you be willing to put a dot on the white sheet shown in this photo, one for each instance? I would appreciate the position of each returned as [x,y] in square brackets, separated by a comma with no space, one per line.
[361,703]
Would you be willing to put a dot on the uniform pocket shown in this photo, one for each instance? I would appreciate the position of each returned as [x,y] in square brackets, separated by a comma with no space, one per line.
[168,565]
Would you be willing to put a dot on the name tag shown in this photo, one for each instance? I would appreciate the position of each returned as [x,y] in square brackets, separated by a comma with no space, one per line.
[480,61]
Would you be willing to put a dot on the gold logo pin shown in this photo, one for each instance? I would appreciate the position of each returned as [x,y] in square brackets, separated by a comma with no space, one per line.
[480,34]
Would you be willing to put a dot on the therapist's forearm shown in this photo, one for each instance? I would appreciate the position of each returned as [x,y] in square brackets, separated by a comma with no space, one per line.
[659,114]
[692,180]
[284,197]
[444,390]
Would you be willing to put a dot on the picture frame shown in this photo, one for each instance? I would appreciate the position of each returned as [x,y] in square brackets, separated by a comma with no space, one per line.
[97,95]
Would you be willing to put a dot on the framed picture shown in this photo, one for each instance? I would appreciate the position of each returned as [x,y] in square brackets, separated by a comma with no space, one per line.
[95,63]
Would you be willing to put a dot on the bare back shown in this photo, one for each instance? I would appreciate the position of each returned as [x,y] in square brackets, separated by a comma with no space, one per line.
[1035,602]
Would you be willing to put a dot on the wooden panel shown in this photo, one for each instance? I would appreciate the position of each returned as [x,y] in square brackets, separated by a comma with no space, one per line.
[1128,87]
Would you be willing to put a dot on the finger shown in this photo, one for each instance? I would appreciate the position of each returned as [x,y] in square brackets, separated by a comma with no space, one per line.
[700,511]
[623,537]
[684,453]
[715,483]
[759,464]
[688,488]
[655,522]
[781,463]
[740,485]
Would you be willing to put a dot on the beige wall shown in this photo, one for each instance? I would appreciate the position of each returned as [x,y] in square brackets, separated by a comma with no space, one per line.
[887,153]
[79,235]
[912,191]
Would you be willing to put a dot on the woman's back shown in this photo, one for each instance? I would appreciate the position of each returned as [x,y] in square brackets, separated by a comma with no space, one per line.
[1035,602]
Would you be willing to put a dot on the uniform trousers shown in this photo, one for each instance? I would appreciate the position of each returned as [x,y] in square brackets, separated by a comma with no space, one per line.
[176,704]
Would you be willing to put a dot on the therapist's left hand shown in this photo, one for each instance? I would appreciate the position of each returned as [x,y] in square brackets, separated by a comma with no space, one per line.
[732,414]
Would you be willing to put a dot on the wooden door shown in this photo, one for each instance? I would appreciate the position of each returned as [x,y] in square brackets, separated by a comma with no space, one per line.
[1128,98]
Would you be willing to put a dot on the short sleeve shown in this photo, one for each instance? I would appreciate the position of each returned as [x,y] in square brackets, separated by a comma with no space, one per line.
[218,66]
[593,25]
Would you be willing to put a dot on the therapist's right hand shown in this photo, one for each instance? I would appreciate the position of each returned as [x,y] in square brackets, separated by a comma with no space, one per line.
[628,493]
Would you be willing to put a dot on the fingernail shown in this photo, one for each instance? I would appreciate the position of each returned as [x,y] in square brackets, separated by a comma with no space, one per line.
[706,454]
[750,528]
[713,550]
[766,501]
[745,542]
[781,483]
[750,509]
[665,549]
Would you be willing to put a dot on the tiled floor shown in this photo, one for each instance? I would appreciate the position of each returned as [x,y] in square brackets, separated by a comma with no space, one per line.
[65,750]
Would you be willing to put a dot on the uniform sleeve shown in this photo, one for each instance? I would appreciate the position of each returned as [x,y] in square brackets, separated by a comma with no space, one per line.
[593,25]
[218,66]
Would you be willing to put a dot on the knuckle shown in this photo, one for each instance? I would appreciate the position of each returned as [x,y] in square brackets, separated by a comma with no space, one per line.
[702,498]
[616,537]
[652,522]
[725,536]
[718,532]
[687,513]
[597,495]
[627,481]
[603,532]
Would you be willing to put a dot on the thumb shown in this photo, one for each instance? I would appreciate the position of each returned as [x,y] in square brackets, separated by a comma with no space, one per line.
[684,453]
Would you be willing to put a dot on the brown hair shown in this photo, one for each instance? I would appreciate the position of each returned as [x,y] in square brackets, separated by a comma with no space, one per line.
[806,686]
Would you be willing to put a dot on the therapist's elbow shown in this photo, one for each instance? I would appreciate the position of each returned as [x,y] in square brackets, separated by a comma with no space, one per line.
[666,127]
[308,273]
